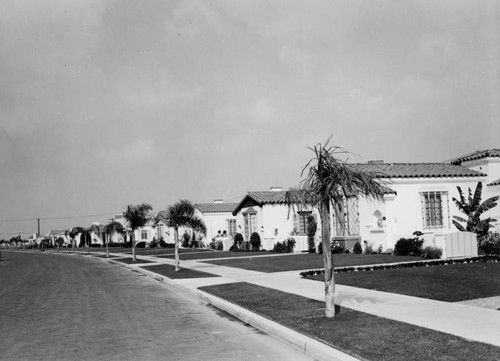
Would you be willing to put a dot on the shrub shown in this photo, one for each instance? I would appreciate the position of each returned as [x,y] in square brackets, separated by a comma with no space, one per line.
[490,245]
[140,244]
[215,244]
[369,249]
[238,241]
[255,241]
[408,247]
[336,247]
[185,239]
[311,231]
[432,252]
[357,248]
[285,247]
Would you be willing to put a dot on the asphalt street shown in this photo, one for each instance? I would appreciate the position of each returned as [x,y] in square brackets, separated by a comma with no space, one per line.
[69,307]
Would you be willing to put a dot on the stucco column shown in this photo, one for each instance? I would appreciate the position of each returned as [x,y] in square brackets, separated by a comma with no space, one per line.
[390,220]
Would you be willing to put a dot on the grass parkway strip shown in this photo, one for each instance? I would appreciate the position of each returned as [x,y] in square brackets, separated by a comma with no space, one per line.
[169,271]
[356,333]
[452,283]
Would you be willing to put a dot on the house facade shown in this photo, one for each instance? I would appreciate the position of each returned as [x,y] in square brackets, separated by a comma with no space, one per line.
[421,200]
[218,218]
[266,213]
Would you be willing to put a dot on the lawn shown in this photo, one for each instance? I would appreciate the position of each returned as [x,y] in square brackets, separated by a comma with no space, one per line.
[195,255]
[169,271]
[301,261]
[356,333]
[452,283]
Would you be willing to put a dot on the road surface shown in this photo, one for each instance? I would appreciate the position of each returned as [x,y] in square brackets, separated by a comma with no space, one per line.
[69,307]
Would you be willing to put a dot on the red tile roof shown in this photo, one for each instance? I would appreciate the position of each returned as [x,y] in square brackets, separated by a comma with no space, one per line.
[418,170]
[216,207]
[478,154]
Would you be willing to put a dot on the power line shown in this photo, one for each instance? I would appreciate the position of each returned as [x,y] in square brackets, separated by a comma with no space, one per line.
[65,217]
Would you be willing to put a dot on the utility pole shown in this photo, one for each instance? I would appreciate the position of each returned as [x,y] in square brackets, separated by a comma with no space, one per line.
[38,234]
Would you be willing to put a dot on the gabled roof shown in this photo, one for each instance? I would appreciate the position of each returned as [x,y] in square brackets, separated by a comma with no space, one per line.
[162,216]
[478,154]
[494,183]
[418,170]
[261,198]
[216,207]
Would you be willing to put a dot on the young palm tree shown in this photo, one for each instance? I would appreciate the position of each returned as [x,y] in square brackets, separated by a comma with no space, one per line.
[137,216]
[110,229]
[473,209]
[328,182]
[73,233]
[182,214]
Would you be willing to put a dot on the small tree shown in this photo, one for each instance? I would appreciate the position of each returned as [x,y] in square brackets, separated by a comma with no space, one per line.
[110,229]
[255,241]
[137,216]
[183,214]
[328,183]
[473,209]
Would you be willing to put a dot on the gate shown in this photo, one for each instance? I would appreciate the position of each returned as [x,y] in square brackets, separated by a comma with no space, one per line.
[461,244]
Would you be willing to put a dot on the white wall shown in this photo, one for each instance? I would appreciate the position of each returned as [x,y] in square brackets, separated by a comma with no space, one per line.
[215,222]
[404,211]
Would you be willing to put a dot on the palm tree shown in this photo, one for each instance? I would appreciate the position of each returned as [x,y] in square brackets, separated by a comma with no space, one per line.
[182,214]
[473,209]
[73,233]
[137,216]
[110,229]
[329,181]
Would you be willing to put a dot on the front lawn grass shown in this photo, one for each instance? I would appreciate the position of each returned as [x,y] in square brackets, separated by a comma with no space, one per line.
[294,262]
[169,271]
[451,283]
[357,333]
[217,254]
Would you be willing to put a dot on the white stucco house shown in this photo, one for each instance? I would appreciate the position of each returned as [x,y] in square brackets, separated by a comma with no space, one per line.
[218,218]
[418,197]
[421,200]
[265,212]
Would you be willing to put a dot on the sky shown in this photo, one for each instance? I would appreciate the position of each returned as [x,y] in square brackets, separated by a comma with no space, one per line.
[109,103]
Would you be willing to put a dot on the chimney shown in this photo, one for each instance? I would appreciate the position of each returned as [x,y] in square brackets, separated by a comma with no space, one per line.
[276,189]
[218,201]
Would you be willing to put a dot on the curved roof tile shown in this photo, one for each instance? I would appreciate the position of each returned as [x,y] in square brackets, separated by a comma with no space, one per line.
[478,154]
[418,170]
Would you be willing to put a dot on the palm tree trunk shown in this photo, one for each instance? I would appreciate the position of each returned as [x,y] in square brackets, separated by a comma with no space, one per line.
[324,210]
[176,241]
[107,242]
[132,239]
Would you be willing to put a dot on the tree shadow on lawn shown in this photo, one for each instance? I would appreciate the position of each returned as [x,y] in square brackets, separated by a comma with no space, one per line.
[169,271]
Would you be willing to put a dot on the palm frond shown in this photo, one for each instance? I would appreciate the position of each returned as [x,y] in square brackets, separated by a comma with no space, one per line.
[459,226]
